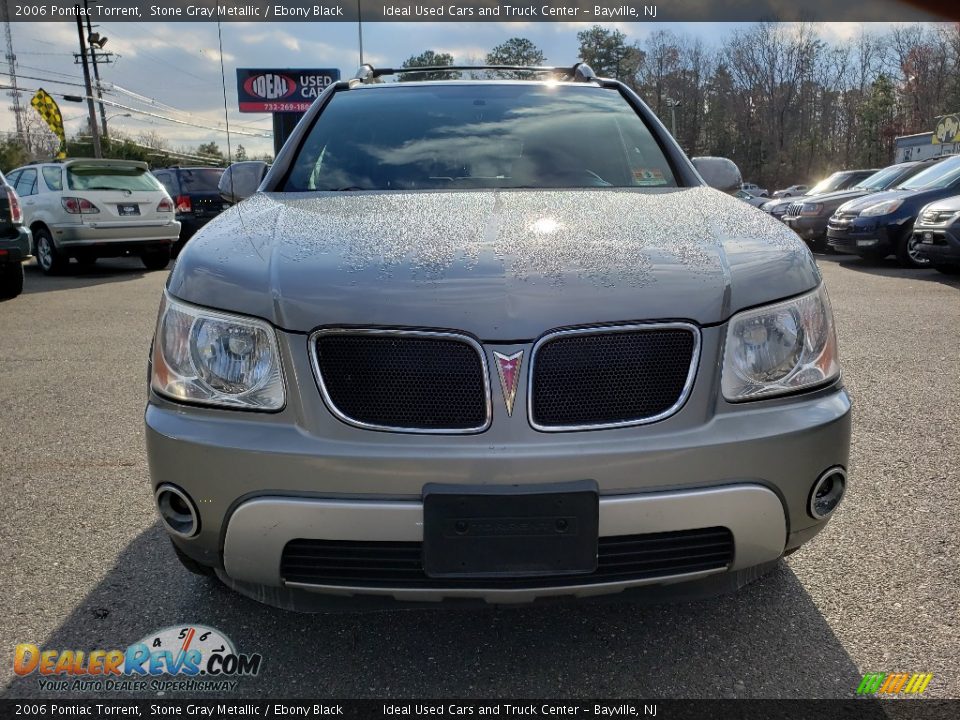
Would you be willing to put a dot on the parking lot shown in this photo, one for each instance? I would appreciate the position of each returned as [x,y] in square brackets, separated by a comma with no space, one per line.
[89,567]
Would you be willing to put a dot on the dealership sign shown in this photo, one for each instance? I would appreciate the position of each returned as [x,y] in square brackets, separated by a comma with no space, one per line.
[263,91]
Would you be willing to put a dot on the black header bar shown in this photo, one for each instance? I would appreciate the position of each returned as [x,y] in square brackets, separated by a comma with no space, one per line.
[589,11]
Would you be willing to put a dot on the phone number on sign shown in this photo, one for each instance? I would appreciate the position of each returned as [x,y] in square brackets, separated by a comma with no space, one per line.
[285,107]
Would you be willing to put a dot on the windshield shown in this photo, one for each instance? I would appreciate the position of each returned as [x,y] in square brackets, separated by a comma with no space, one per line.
[938,176]
[99,177]
[478,136]
[882,179]
[200,179]
[827,185]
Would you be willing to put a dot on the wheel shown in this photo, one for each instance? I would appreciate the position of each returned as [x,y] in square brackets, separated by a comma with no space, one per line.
[156,259]
[50,260]
[908,251]
[190,564]
[87,260]
[11,280]
[948,269]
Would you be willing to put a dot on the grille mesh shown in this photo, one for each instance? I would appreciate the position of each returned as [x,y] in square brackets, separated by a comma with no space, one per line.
[399,564]
[611,377]
[404,381]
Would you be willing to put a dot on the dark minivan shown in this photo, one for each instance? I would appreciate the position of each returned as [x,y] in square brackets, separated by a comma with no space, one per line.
[196,196]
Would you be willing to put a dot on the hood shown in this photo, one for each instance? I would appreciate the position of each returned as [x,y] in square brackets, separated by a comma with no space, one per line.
[838,196]
[782,203]
[502,265]
[858,205]
[950,204]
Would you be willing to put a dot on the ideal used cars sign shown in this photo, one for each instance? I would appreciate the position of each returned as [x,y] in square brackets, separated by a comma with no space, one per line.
[287,90]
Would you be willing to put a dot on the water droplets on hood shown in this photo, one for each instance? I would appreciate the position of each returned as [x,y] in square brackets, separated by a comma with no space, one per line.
[606,237]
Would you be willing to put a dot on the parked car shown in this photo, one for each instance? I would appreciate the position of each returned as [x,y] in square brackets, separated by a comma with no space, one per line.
[837,181]
[15,242]
[881,224]
[88,209]
[750,199]
[399,370]
[937,234]
[791,191]
[196,197]
[755,190]
[808,216]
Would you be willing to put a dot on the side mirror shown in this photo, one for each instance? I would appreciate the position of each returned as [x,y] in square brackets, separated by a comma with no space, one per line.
[719,173]
[241,180]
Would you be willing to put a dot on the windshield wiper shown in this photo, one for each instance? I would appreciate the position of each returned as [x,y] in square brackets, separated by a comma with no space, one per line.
[349,188]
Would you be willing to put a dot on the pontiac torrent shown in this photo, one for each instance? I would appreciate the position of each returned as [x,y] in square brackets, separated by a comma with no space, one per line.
[497,340]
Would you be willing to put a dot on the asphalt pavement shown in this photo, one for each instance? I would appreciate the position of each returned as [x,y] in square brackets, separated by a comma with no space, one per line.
[86,566]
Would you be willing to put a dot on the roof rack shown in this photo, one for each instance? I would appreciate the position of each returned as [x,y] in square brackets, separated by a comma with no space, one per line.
[580,72]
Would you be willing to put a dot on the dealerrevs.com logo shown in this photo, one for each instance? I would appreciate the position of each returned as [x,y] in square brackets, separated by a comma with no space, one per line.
[188,658]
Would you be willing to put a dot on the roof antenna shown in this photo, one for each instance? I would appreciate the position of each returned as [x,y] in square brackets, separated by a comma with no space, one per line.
[226,118]
[223,82]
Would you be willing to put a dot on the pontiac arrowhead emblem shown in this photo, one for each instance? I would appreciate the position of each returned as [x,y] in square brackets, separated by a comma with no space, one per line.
[508,368]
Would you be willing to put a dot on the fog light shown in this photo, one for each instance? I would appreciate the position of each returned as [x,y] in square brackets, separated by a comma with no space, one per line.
[177,511]
[827,492]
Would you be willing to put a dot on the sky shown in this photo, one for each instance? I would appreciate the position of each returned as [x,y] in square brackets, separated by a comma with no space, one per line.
[175,67]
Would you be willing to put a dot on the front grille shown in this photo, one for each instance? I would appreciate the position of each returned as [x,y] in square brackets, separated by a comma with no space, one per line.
[398,380]
[794,209]
[400,564]
[583,379]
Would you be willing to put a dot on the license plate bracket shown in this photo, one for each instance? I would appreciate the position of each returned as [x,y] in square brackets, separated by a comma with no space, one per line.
[510,531]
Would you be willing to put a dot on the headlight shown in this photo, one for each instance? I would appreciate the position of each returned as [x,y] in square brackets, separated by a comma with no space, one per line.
[811,209]
[768,205]
[215,358]
[884,208]
[780,348]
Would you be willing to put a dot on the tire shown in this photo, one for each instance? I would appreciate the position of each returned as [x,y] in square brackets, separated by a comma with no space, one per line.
[906,251]
[948,269]
[50,260]
[156,259]
[11,280]
[192,565]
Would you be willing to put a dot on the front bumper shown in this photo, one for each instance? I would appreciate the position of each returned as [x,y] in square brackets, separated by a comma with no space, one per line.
[71,235]
[17,248]
[807,227]
[260,528]
[939,244]
[262,479]
[860,237]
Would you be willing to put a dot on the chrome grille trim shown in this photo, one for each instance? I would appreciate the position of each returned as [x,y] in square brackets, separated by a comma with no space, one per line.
[429,334]
[681,400]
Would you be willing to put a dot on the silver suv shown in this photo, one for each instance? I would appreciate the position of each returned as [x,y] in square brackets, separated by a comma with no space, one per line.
[493,340]
[91,208]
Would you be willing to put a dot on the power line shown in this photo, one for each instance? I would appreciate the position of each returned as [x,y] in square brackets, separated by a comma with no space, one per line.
[156,115]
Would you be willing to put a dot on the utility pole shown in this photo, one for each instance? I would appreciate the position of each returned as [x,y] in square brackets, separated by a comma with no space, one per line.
[94,130]
[96,72]
[12,64]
